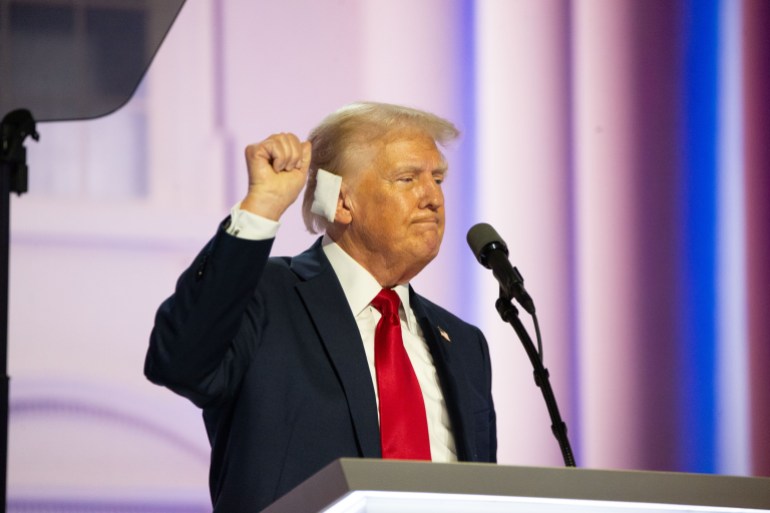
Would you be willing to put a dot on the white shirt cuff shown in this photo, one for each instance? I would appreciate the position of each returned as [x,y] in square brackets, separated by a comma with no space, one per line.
[245,225]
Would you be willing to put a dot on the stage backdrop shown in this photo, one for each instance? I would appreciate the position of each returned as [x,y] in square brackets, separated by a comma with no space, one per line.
[619,147]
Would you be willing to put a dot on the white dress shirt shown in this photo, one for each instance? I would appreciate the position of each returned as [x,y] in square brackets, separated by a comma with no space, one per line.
[360,288]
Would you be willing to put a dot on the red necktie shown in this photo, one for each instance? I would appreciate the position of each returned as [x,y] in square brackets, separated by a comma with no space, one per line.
[403,424]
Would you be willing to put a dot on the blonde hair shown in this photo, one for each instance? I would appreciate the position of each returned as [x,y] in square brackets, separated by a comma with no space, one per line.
[359,125]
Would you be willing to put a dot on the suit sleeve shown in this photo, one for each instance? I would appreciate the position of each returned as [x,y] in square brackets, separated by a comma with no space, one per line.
[206,333]
[492,415]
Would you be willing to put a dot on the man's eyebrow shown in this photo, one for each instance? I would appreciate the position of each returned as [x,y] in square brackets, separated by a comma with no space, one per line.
[442,167]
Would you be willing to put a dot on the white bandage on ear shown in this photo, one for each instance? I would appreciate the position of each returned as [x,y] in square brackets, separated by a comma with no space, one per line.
[327,192]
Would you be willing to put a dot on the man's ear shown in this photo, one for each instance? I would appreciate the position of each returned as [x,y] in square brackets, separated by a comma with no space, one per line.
[343,215]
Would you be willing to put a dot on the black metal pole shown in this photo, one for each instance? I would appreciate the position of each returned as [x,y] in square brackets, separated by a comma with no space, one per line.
[14,129]
[510,314]
[5,209]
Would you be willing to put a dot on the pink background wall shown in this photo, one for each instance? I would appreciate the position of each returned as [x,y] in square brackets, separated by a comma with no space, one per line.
[578,118]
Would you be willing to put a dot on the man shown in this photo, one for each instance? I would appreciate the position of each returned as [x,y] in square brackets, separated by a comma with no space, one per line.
[290,358]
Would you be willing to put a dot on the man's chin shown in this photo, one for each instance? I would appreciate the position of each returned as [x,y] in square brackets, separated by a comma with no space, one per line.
[432,245]
[431,233]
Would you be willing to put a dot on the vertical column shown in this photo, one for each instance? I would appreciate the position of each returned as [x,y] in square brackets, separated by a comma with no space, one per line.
[626,75]
[603,143]
[732,332]
[523,178]
[756,22]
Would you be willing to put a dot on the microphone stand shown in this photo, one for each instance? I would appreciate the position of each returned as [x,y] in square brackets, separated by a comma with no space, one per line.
[14,128]
[510,314]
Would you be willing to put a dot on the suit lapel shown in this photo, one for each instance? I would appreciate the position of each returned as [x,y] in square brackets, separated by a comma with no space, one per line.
[451,374]
[326,304]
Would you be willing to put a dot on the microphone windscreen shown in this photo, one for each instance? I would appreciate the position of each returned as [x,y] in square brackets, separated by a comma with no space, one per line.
[480,236]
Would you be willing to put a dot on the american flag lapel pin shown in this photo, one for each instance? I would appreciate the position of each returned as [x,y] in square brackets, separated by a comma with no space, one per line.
[443,334]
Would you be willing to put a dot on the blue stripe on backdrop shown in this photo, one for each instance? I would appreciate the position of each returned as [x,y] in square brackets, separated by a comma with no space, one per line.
[698,203]
[467,159]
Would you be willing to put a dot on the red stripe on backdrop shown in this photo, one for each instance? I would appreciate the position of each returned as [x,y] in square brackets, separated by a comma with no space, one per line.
[756,19]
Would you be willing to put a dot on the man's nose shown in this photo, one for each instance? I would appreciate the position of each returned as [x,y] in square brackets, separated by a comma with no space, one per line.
[432,194]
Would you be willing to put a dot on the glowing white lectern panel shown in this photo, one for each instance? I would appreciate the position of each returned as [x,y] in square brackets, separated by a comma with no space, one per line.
[376,486]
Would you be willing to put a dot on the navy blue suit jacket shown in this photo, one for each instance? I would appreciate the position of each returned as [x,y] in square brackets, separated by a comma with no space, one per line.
[269,349]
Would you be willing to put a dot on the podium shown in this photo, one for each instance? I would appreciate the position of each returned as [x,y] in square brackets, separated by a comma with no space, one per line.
[382,486]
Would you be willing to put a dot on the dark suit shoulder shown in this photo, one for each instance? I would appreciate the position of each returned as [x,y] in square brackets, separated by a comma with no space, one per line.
[425,306]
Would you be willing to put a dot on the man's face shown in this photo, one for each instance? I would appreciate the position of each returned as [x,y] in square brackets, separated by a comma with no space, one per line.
[397,205]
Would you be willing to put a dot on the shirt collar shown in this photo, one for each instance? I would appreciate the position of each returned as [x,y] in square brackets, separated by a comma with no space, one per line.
[359,286]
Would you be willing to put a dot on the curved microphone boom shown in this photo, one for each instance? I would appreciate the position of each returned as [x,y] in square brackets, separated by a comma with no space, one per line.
[492,252]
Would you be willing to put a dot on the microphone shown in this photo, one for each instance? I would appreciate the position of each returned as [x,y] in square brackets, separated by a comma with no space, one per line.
[492,252]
